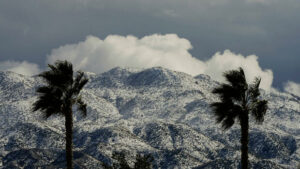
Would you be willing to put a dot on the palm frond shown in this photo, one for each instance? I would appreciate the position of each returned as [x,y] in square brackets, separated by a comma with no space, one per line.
[80,81]
[51,91]
[44,90]
[226,91]
[254,90]
[60,75]
[236,79]
[50,111]
[259,110]
[227,123]
[225,113]
[48,104]
[81,106]
[64,66]
[218,110]
[47,97]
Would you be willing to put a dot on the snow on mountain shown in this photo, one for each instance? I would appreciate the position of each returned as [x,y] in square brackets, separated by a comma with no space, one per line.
[158,111]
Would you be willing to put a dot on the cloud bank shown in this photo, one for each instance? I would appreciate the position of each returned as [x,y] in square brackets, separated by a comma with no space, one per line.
[169,51]
[270,28]
[24,67]
[292,87]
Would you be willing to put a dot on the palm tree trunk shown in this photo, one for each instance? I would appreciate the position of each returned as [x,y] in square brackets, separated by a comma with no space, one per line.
[244,140]
[69,138]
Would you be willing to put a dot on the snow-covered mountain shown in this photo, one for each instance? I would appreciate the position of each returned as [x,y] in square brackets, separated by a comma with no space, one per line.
[157,111]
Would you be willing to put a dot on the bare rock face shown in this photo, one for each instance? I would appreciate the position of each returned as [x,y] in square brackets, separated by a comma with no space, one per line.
[153,111]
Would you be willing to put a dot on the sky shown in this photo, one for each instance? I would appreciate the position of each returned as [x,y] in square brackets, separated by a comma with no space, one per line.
[192,36]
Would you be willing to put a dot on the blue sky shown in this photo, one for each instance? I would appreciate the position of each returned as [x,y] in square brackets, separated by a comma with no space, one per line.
[33,30]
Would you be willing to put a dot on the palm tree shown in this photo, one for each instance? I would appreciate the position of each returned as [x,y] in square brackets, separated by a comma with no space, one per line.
[58,96]
[237,101]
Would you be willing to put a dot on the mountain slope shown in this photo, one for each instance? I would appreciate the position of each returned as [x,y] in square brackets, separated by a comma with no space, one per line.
[156,110]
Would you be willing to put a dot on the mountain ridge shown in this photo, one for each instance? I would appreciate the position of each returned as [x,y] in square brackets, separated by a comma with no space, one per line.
[155,110]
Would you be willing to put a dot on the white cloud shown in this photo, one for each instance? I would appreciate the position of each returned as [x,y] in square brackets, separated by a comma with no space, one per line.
[228,60]
[24,67]
[169,51]
[292,87]
[98,55]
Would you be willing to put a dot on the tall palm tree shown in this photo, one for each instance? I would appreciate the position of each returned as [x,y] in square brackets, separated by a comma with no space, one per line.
[58,96]
[237,101]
